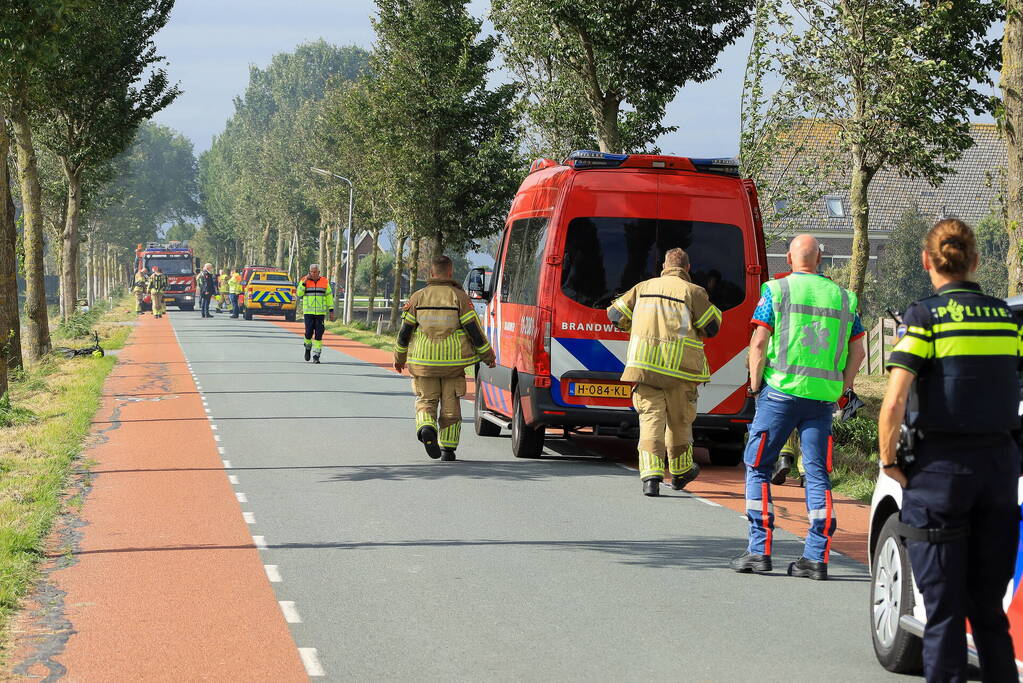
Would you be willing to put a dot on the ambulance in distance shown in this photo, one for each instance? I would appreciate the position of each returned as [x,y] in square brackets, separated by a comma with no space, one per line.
[579,234]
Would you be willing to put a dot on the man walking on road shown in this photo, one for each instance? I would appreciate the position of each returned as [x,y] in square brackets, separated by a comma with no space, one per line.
[804,353]
[207,283]
[139,287]
[317,301]
[667,318]
[157,287]
[234,285]
[440,336]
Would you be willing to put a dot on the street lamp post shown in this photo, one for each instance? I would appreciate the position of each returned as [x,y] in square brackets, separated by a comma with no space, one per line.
[349,274]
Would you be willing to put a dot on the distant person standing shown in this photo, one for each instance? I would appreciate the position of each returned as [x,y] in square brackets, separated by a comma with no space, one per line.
[234,284]
[440,336]
[222,290]
[317,302]
[157,287]
[139,287]
[207,285]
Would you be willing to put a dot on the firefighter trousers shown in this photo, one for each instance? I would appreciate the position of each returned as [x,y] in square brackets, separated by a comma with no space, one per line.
[139,297]
[158,306]
[445,393]
[665,428]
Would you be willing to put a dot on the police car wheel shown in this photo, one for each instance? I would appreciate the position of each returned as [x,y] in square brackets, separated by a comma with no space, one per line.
[527,442]
[891,592]
[483,427]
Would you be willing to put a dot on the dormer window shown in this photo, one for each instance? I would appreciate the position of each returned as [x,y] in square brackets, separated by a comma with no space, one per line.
[835,207]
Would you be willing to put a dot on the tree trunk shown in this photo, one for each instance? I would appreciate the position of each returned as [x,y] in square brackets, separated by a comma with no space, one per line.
[337,270]
[321,246]
[71,243]
[374,273]
[264,247]
[437,244]
[279,260]
[399,268]
[37,327]
[413,265]
[10,324]
[1011,84]
[860,207]
[609,135]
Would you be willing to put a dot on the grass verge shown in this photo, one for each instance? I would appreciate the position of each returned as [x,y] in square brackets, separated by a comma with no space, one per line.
[51,406]
[855,459]
[362,333]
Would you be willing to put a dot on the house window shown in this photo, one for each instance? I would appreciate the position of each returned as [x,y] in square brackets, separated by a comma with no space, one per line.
[780,205]
[835,207]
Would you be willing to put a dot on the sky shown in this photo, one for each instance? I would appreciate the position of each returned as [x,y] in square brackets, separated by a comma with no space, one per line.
[209,45]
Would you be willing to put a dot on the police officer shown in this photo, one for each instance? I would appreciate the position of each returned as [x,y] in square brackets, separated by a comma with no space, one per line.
[234,287]
[440,336]
[804,353]
[317,301]
[157,287]
[667,317]
[139,287]
[956,369]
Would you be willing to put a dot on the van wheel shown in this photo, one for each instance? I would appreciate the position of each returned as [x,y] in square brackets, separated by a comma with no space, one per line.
[483,427]
[891,596]
[247,315]
[527,442]
[726,454]
[289,317]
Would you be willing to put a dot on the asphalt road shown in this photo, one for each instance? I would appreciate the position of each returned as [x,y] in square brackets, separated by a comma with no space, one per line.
[397,567]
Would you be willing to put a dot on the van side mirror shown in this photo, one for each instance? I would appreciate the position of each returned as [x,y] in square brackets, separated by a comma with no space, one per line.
[477,283]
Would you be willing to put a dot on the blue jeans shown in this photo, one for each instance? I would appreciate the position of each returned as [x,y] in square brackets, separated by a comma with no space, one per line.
[204,304]
[777,415]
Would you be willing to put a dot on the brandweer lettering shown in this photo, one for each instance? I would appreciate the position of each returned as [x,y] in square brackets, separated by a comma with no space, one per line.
[588,327]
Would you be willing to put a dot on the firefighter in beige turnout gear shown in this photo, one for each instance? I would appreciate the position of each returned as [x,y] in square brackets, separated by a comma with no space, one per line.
[667,318]
[440,336]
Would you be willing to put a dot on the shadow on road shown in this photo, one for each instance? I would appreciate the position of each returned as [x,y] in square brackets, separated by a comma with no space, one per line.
[532,470]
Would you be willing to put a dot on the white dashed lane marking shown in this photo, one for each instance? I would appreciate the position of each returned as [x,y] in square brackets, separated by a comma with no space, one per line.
[242,498]
[272,573]
[260,542]
[311,661]
[227,464]
[233,479]
[290,612]
[250,518]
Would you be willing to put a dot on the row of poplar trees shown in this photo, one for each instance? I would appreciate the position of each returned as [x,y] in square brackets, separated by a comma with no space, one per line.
[436,149]
[77,80]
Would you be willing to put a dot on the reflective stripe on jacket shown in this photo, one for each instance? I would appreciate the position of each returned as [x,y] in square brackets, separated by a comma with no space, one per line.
[158,283]
[809,348]
[316,295]
[667,318]
[234,284]
[141,283]
[441,334]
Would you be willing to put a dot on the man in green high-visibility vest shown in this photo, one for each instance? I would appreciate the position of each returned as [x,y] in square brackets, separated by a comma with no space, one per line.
[803,356]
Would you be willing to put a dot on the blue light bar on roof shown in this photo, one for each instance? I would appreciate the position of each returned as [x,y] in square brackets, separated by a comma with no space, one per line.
[722,165]
[588,158]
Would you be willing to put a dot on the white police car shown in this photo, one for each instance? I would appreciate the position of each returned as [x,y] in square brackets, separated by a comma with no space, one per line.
[896,606]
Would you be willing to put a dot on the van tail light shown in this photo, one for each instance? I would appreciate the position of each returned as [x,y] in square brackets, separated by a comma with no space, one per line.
[542,355]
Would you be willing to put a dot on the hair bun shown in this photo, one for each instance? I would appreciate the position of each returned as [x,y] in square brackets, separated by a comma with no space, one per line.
[953,242]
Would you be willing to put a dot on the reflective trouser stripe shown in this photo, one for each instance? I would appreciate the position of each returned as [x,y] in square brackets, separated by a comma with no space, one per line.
[767,512]
[760,513]
[425,420]
[317,346]
[650,465]
[308,343]
[682,462]
[450,434]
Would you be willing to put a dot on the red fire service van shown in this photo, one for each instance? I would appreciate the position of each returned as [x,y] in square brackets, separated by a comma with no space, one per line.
[177,261]
[581,233]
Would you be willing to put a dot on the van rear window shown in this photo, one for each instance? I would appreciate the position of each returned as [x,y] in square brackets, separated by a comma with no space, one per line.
[605,257]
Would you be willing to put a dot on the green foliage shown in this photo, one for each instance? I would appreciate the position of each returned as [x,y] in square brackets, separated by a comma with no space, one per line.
[992,245]
[181,232]
[12,415]
[385,266]
[859,433]
[605,70]
[78,325]
[903,279]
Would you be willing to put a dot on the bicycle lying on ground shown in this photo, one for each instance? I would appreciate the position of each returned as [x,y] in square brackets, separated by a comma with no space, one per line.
[94,350]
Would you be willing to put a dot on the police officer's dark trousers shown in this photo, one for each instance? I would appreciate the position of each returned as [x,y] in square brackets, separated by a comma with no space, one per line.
[965,481]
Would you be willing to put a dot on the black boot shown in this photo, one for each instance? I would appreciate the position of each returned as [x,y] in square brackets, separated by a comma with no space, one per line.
[748,562]
[428,435]
[447,454]
[679,481]
[316,358]
[781,469]
[808,569]
[652,486]
[308,351]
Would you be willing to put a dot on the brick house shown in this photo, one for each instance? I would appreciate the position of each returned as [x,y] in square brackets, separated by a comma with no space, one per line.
[970,193]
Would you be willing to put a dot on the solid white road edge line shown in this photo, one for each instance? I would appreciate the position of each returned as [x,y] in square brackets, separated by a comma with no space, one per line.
[290,612]
[311,661]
